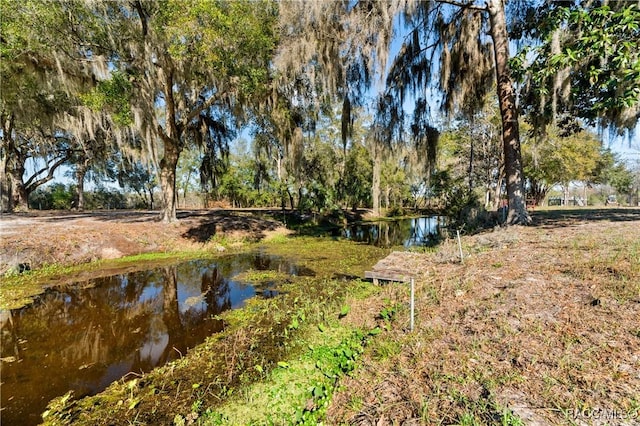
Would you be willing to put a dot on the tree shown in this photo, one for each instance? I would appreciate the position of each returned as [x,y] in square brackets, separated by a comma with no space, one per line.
[509,113]
[28,103]
[42,81]
[613,171]
[187,173]
[46,152]
[458,29]
[191,66]
[327,56]
[470,150]
[559,160]
[356,181]
[585,63]
[134,175]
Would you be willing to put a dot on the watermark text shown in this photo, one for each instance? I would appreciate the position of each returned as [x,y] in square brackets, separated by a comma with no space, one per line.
[605,414]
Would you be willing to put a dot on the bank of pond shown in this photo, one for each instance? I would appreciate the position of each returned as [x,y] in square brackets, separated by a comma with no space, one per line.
[84,336]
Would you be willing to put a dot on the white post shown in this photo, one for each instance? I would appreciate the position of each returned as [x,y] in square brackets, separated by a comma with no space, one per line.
[412,302]
[460,246]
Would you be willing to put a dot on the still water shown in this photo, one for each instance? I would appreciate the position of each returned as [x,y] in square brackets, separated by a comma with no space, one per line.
[86,336]
[416,232]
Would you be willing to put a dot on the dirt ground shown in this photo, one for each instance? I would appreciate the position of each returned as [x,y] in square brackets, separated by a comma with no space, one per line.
[540,321]
[31,240]
[543,321]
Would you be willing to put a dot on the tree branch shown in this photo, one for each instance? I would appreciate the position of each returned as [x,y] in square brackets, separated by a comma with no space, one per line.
[30,185]
[206,104]
[137,5]
[463,5]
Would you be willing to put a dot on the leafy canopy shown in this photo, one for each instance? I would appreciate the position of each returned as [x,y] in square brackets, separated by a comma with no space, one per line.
[587,63]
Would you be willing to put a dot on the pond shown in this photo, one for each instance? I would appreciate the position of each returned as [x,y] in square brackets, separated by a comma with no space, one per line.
[84,337]
[415,232]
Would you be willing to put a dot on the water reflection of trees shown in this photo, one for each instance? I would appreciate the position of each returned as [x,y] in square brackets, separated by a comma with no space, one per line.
[70,336]
[408,232]
[216,290]
[85,338]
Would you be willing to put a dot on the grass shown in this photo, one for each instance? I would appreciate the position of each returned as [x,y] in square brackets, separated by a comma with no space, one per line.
[298,390]
[511,337]
[277,349]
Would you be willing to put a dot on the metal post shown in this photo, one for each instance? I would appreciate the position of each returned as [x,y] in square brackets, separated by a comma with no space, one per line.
[412,302]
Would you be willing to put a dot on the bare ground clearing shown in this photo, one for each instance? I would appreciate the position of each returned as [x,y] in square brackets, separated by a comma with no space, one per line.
[38,238]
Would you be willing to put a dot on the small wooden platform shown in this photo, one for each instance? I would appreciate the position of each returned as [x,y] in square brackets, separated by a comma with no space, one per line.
[388,269]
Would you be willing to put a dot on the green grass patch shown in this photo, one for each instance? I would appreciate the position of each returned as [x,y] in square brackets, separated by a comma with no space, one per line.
[278,358]
[260,277]
[298,390]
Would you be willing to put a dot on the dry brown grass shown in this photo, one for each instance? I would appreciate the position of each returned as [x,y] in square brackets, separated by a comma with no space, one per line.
[67,238]
[542,322]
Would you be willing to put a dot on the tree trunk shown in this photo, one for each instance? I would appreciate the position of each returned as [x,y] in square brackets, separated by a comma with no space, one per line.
[538,192]
[80,190]
[5,184]
[7,148]
[472,136]
[185,188]
[14,168]
[291,202]
[171,138]
[19,196]
[375,184]
[5,187]
[168,166]
[510,130]
[471,159]
[497,193]
[150,202]
[300,197]
[81,172]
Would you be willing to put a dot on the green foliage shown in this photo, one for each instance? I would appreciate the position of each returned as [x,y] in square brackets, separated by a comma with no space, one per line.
[611,33]
[317,198]
[238,187]
[355,185]
[35,94]
[104,198]
[510,419]
[58,410]
[57,196]
[187,172]
[27,73]
[137,177]
[344,311]
[552,159]
[230,38]
[333,362]
[113,96]
[613,171]
[61,197]
[590,49]
[395,211]
[394,182]
[388,314]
